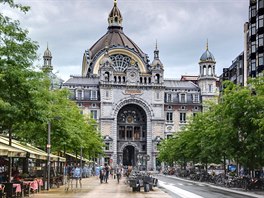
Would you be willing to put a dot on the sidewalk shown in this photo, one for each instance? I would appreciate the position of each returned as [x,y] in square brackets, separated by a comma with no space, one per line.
[91,187]
[252,193]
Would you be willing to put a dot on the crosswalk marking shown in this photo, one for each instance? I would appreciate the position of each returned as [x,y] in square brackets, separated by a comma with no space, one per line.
[182,193]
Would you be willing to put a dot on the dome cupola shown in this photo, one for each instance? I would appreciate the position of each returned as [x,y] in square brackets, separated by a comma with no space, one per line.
[47,53]
[47,57]
[115,18]
[207,55]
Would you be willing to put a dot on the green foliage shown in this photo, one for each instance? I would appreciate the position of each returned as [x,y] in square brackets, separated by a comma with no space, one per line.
[232,129]
[26,102]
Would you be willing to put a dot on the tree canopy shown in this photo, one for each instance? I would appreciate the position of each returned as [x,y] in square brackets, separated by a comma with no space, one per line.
[26,102]
[232,129]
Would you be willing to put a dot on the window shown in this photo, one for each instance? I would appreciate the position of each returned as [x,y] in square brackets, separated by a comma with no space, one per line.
[157,78]
[260,21]
[157,95]
[93,95]
[204,70]
[260,59]
[260,4]
[169,116]
[260,40]
[210,88]
[182,117]
[182,98]
[143,133]
[195,98]
[94,114]
[121,132]
[253,47]
[169,98]
[79,94]
[210,70]
[137,133]
[252,11]
[129,132]
[121,62]
[107,94]
[253,65]
[107,146]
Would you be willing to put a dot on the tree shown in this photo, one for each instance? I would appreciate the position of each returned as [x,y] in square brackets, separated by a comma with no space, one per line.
[27,104]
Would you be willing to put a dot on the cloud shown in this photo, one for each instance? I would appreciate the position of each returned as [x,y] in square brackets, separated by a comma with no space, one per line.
[180,26]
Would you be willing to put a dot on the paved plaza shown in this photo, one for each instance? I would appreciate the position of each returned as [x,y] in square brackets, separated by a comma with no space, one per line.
[91,187]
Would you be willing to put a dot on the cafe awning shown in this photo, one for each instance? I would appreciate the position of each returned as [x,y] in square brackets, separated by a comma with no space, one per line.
[55,158]
[32,152]
[9,151]
[78,157]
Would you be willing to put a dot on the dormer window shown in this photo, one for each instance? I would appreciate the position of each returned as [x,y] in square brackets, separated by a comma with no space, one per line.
[79,94]
[182,98]
[195,98]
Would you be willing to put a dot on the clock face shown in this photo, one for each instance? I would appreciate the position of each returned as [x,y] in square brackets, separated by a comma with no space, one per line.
[132,76]
[129,119]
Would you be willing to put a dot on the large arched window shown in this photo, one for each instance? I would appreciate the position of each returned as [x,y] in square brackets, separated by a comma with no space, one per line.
[131,123]
[120,61]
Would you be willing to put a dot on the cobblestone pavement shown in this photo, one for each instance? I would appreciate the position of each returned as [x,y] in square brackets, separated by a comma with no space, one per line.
[91,187]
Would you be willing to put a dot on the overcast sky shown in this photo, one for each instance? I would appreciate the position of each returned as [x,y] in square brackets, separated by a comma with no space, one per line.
[181,28]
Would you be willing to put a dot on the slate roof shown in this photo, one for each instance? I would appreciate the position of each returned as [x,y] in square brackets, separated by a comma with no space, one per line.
[82,81]
[180,84]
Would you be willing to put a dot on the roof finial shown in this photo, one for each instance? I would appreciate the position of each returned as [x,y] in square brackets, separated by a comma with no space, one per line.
[115,2]
[207,44]
[156,51]
[47,45]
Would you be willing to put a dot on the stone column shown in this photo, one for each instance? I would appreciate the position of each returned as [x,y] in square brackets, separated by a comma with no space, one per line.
[149,143]
[114,134]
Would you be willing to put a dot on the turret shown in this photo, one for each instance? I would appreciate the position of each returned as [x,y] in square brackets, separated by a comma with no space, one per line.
[47,60]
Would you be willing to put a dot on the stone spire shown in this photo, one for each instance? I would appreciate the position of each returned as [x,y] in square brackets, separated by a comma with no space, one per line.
[156,60]
[156,51]
[115,18]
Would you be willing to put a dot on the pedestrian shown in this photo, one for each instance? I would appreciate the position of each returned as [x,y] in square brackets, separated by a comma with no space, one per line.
[106,170]
[97,171]
[101,174]
[77,175]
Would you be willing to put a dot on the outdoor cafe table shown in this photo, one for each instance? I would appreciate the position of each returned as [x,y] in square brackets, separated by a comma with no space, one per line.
[18,188]
[32,185]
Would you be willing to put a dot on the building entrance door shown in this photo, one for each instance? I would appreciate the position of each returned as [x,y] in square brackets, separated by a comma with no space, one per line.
[129,156]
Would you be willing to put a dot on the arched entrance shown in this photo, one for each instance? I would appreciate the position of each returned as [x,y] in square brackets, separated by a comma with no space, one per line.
[129,156]
[131,134]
